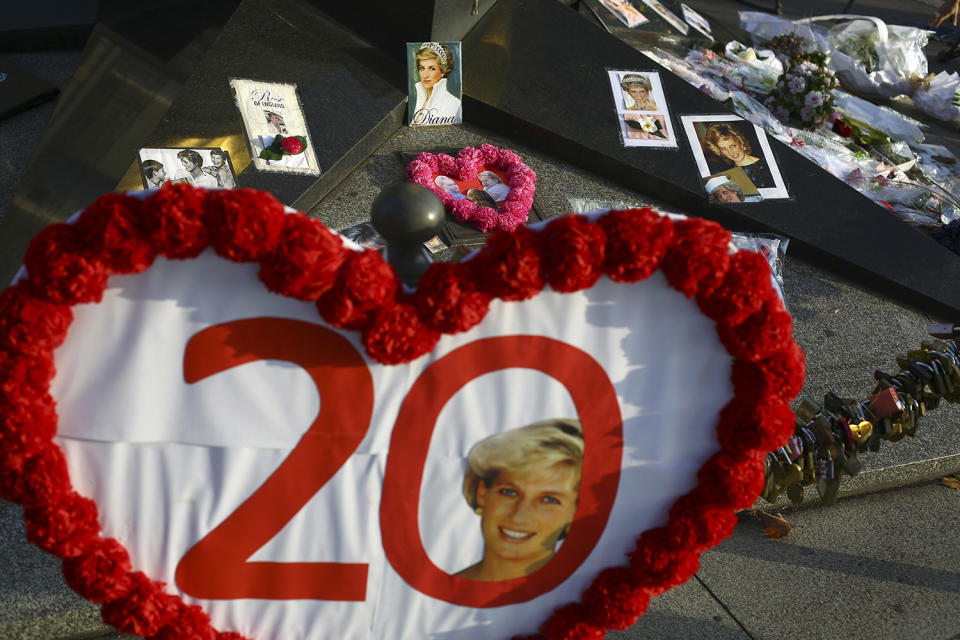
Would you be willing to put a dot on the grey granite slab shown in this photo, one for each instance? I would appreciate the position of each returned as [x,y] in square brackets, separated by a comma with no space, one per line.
[877,567]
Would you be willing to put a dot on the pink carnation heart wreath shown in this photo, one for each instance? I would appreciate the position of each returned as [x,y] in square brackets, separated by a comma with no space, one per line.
[68,264]
[513,211]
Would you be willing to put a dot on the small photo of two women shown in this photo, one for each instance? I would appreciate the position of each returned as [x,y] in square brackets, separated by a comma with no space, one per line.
[435,83]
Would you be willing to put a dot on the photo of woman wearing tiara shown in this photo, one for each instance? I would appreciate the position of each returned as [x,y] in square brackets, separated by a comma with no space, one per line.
[637,91]
[435,103]
[524,484]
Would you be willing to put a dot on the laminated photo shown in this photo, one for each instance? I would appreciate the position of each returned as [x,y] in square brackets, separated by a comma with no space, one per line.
[641,108]
[276,128]
[667,15]
[434,83]
[723,142]
[207,167]
[696,20]
[625,12]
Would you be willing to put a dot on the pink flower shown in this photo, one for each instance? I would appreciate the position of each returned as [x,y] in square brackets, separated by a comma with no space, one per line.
[796,85]
[806,114]
[813,99]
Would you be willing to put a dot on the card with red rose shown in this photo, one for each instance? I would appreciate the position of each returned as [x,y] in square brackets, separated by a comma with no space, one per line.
[275,126]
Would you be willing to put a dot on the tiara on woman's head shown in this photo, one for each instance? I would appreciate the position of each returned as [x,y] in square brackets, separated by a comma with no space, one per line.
[437,48]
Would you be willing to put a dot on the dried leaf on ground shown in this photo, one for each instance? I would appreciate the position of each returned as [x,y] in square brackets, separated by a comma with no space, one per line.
[775,526]
[951,481]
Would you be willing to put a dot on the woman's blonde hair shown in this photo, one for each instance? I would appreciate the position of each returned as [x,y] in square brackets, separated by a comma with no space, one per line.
[490,173]
[427,52]
[542,444]
[717,130]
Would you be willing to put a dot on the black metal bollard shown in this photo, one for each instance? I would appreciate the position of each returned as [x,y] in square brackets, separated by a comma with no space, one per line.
[407,215]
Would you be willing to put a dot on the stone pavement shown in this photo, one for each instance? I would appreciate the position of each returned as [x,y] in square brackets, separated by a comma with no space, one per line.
[882,563]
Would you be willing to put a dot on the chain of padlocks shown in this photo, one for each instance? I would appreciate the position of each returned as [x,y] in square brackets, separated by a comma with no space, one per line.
[829,437]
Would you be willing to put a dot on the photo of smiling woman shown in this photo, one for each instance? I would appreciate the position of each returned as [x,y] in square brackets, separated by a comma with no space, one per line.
[524,485]
[435,98]
[728,144]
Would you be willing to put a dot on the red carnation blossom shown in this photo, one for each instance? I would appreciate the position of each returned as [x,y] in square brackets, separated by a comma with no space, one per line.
[397,335]
[612,601]
[60,270]
[698,258]
[65,528]
[637,241]
[143,610]
[112,229]
[697,523]
[744,290]
[657,566]
[100,574]
[365,283]
[778,378]
[448,299]
[569,621]
[291,145]
[175,220]
[31,325]
[762,334]
[244,224]
[26,427]
[189,623]
[306,261]
[25,378]
[744,425]
[510,266]
[736,478]
[575,250]
[35,478]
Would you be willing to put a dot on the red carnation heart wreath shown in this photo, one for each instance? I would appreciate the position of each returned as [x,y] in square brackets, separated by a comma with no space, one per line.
[492,204]
[68,264]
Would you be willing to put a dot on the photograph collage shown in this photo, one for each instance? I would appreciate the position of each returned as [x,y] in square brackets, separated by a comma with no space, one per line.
[734,159]
[642,109]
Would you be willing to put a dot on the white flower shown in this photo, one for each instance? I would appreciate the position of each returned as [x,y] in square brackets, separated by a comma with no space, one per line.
[648,125]
[806,114]
[796,85]
[813,99]
[809,67]
[781,113]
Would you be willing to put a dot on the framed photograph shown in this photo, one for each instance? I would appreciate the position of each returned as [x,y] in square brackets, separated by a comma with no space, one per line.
[641,108]
[207,167]
[696,20]
[625,12]
[667,15]
[276,129]
[434,83]
[723,142]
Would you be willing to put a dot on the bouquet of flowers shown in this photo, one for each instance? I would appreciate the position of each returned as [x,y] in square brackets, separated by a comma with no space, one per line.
[803,95]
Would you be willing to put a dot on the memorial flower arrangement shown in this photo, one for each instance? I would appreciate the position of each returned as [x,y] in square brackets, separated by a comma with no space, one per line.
[68,264]
[803,94]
